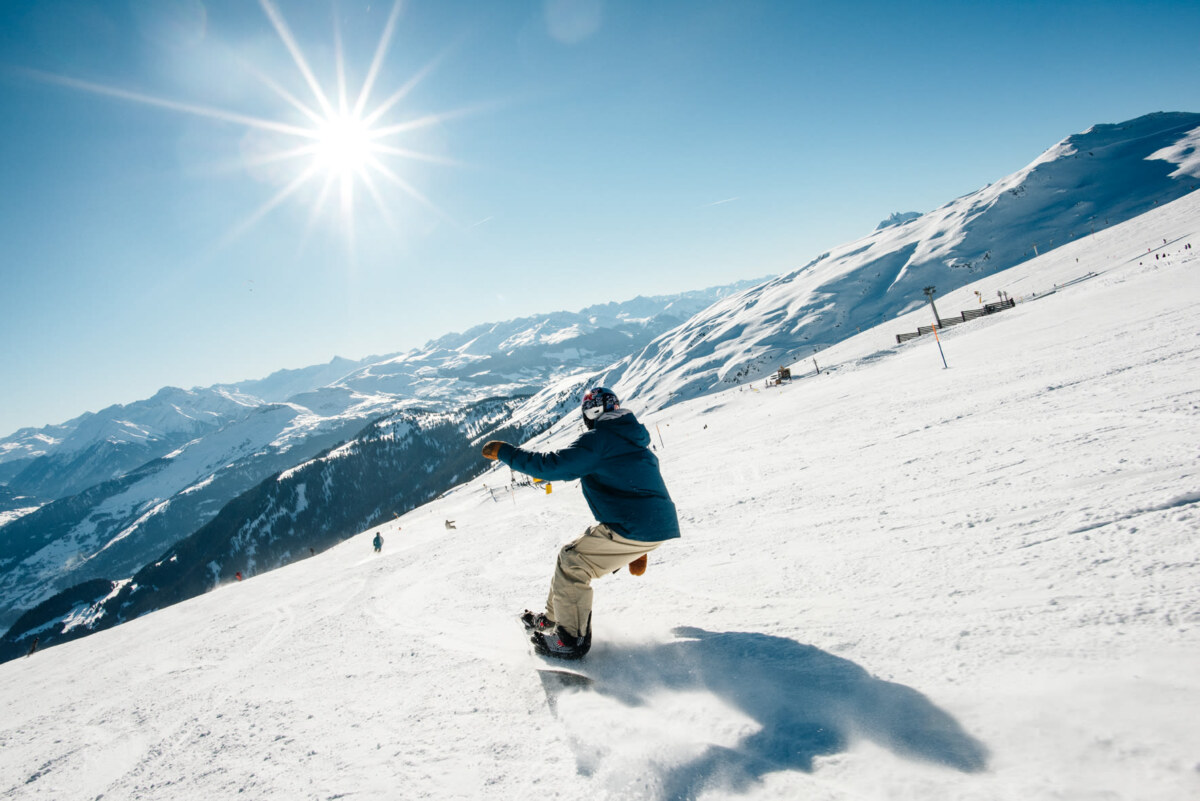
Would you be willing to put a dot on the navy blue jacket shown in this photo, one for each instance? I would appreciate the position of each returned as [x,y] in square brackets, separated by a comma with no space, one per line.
[619,475]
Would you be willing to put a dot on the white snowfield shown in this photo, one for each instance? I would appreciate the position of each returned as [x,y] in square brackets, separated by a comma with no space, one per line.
[895,581]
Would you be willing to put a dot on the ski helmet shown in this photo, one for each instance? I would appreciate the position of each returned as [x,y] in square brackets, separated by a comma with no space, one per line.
[597,401]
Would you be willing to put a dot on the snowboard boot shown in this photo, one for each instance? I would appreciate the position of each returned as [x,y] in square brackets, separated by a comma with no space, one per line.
[536,621]
[558,644]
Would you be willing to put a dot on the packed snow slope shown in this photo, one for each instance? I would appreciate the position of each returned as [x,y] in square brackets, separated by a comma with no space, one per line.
[1088,182]
[895,581]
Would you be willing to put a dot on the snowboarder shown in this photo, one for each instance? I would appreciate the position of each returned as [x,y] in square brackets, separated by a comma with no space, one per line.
[623,487]
[378,542]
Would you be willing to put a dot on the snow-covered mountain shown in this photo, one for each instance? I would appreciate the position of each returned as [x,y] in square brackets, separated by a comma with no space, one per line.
[1098,178]
[895,581]
[393,465]
[521,356]
[114,527]
[283,385]
[60,460]
[161,469]
[898,218]
[1086,183]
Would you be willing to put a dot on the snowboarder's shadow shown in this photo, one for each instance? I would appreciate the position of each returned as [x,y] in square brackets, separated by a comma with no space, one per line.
[808,703]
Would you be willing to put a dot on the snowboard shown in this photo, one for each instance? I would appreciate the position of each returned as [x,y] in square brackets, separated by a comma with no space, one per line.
[556,674]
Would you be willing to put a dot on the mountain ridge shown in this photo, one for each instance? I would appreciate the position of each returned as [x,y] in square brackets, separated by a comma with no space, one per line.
[743,335]
[184,454]
[1084,183]
[894,579]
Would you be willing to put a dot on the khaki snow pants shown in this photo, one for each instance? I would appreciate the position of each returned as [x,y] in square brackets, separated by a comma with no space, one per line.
[597,553]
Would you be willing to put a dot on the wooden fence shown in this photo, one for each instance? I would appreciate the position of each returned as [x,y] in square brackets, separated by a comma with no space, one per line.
[966,316]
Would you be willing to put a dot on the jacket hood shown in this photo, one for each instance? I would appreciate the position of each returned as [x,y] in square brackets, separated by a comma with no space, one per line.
[623,423]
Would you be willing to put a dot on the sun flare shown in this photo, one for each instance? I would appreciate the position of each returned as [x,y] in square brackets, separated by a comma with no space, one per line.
[342,141]
[344,146]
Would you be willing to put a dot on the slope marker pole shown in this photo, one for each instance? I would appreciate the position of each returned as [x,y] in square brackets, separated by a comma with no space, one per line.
[939,344]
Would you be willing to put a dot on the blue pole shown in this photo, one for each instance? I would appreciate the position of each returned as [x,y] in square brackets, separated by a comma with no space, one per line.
[939,341]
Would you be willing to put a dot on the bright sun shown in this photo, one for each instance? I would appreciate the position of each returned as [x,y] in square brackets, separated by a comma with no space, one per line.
[342,146]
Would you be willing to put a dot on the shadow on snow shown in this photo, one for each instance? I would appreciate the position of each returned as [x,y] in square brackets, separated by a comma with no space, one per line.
[807,702]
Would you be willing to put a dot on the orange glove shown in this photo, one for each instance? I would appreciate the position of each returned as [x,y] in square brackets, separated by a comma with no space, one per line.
[638,566]
[492,449]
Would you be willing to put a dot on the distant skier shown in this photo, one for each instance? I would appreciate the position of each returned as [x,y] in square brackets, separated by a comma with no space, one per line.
[450,525]
[238,575]
[623,487]
[378,542]
[32,647]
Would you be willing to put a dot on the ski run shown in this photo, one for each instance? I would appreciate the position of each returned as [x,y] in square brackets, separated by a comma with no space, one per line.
[896,581]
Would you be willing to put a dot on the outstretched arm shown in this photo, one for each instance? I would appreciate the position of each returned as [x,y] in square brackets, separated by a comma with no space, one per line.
[574,461]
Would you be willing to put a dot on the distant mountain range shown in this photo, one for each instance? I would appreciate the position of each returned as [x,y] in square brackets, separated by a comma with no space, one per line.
[117,487]
[394,464]
[160,500]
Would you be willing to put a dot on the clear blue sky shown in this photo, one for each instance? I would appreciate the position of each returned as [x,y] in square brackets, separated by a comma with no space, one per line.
[557,154]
